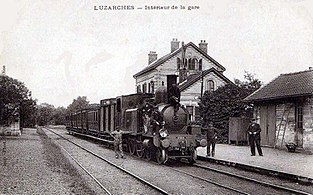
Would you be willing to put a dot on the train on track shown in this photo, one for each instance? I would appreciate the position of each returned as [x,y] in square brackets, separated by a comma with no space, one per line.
[151,127]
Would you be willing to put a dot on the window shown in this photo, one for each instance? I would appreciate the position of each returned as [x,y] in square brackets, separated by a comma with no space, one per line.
[210,86]
[193,64]
[149,87]
[200,64]
[152,86]
[144,88]
[189,65]
[190,112]
[299,116]
[178,63]
[138,89]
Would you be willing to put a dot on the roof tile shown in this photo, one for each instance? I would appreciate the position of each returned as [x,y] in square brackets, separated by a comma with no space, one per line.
[285,85]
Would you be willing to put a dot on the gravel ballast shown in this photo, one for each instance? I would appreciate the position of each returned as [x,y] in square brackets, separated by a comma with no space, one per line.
[32,164]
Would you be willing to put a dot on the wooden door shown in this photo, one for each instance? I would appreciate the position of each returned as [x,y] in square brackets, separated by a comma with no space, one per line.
[268,125]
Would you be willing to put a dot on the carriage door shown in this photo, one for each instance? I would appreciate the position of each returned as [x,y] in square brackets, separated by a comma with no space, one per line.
[268,126]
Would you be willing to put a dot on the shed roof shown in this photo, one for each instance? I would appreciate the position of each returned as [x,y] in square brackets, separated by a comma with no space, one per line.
[285,86]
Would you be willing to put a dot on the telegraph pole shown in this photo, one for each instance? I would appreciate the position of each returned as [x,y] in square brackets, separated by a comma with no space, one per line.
[3,70]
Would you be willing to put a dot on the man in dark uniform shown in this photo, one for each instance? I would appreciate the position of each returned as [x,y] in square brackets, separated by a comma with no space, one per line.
[174,96]
[211,139]
[118,147]
[156,120]
[254,130]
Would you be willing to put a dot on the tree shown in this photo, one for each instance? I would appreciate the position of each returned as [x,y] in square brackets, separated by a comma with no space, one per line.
[227,101]
[15,101]
[58,116]
[45,114]
[78,104]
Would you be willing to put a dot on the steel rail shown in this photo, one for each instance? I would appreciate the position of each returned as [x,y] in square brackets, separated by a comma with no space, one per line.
[210,181]
[275,186]
[114,165]
[81,166]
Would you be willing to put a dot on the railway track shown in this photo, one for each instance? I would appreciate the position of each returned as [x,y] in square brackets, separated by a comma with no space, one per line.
[105,189]
[207,174]
[239,179]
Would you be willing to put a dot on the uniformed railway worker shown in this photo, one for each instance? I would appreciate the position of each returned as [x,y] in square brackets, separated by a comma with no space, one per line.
[118,147]
[156,120]
[174,96]
[211,139]
[254,130]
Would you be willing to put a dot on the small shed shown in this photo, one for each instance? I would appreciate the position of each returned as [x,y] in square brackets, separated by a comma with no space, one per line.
[284,110]
[238,130]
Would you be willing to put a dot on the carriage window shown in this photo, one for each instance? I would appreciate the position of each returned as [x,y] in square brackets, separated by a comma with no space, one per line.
[118,105]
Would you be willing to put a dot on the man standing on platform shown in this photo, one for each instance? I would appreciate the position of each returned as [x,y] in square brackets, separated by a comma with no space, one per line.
[211,139]
[254,130]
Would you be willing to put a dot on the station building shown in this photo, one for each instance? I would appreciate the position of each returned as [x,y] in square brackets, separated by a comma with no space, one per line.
[187,65]
[284,110]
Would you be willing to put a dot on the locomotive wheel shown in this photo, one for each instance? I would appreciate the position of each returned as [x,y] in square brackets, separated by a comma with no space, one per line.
[193,157]
[140,150]
[161,156]
[148,154]
[132,147]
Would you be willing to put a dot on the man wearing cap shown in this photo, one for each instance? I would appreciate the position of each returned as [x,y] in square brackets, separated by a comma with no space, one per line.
[254,130]
[211,139]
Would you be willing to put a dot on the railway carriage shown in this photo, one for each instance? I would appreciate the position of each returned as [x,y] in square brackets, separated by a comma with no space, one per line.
[151,130]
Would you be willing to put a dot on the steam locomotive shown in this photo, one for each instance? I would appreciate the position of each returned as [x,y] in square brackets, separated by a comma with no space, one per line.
[151,127]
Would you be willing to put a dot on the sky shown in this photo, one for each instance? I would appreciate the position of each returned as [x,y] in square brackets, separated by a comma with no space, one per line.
[62,49]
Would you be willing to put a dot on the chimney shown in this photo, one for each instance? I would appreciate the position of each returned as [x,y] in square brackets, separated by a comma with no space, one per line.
[153,56]
[203,46]
[174,45]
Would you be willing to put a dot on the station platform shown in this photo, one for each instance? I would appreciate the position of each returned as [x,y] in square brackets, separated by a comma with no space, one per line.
[281,163]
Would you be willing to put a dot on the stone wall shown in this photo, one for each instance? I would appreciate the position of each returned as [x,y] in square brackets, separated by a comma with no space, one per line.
[286,131]
[308,125]
[13,129]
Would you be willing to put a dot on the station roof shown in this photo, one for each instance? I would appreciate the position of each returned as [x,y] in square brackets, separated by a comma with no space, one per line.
[161,60]
[290,85]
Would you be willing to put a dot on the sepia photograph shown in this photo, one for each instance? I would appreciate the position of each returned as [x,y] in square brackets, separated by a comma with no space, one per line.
[156,97]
